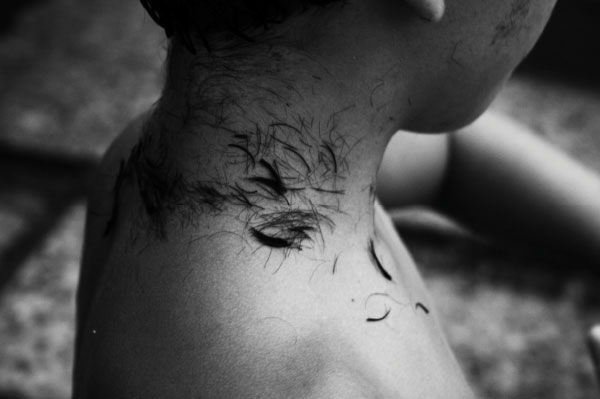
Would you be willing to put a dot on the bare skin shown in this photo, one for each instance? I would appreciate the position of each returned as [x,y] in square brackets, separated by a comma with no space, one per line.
[235,249]
[326,322]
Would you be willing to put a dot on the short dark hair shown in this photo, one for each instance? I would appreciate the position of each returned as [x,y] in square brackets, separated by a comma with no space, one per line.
[186,19]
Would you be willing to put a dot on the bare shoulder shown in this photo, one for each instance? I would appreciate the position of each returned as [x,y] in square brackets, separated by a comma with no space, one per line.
[220,323]
[210,312]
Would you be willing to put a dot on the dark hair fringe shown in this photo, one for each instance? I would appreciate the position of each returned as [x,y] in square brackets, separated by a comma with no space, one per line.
[186,18]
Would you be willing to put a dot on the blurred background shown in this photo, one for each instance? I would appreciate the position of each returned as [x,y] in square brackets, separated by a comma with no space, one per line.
[74,72]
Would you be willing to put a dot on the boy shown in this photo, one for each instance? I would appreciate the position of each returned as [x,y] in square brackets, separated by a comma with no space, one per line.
[234,247]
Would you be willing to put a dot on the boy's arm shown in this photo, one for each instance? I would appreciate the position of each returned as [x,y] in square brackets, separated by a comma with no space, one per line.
[412,170]
[505,183]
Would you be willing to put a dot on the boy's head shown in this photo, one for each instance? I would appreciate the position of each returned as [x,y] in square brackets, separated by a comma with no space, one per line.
[445,59]
[189,20]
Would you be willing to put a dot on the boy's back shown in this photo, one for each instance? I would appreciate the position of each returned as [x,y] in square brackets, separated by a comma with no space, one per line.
[203,316]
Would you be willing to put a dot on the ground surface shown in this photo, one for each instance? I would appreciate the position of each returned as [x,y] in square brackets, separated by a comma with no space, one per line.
[73,72]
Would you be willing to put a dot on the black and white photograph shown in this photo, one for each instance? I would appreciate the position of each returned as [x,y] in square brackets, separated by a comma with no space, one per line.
[300,199]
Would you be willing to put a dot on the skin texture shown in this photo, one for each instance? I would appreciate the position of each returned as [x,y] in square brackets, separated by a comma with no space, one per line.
[234,247]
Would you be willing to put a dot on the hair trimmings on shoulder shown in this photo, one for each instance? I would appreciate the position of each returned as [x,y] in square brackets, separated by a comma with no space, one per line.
[189,19]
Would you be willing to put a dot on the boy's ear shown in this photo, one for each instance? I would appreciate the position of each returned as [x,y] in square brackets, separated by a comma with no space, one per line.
[431,10]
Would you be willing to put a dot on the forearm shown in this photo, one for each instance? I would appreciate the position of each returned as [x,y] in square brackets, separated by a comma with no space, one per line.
[505,183]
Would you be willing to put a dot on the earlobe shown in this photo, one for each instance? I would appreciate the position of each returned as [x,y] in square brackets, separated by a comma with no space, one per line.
[431,10]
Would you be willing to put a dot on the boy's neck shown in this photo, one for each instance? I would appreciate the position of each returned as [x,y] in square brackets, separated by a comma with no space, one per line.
[292,155]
